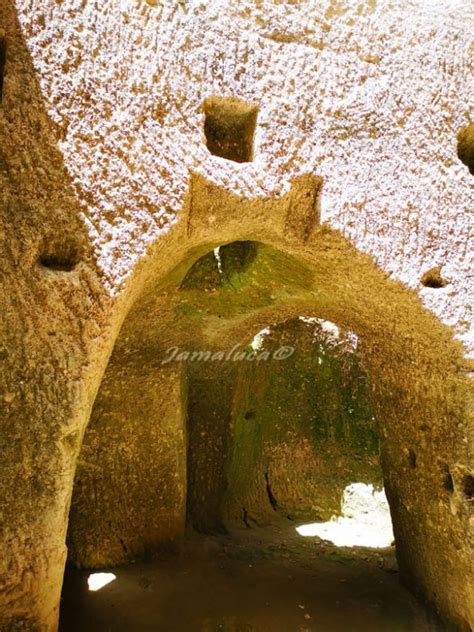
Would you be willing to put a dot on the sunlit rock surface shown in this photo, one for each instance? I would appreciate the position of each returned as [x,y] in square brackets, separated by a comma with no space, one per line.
[138,137]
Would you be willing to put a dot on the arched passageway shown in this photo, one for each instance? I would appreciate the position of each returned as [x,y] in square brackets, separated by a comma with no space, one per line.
[62,313]
[279,426]
[181,438]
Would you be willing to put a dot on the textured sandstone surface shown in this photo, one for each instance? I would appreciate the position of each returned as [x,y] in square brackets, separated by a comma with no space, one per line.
[369,96]
[108,194]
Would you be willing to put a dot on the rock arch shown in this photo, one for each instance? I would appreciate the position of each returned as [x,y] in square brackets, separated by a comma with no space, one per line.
[60,322]
[415,372]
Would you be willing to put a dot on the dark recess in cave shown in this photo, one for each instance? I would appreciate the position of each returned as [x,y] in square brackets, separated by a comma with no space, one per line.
[3,61]
[229,128]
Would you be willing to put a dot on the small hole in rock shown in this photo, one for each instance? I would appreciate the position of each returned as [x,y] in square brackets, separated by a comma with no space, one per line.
[448,482]
[57,263]
[3,61]
[249,415]
[230,128]
[60,257]
[468,487]
[412,458]
[432,278]
[465,148]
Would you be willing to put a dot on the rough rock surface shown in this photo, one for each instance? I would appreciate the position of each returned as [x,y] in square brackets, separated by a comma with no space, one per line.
[109,194]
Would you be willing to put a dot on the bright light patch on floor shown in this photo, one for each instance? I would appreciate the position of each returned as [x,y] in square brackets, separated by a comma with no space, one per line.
[96,581]
[365,520]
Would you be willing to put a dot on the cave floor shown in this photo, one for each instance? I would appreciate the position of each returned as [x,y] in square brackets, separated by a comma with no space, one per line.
[253,580]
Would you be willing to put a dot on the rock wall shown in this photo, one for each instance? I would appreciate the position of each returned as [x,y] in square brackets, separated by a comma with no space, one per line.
[129,492]
[303,427]
[109,194]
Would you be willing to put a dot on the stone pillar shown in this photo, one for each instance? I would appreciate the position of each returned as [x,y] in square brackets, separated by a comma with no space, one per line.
[211,387]
[129,492]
